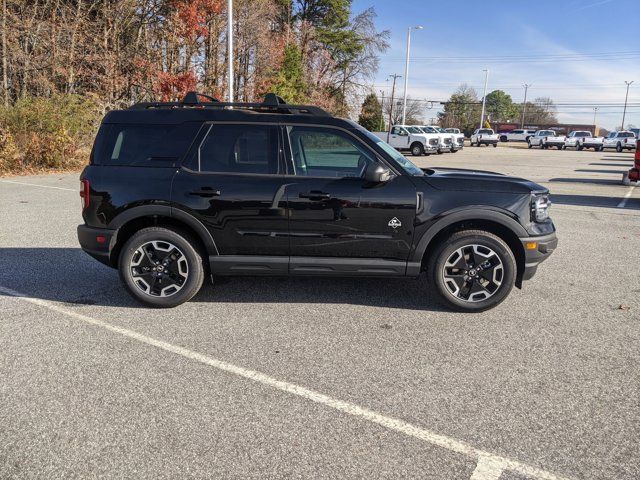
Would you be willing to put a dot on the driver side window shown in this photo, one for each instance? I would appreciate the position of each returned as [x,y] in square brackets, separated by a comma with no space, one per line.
[323,152]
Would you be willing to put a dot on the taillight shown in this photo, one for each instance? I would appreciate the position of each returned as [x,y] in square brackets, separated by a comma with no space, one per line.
[84,193]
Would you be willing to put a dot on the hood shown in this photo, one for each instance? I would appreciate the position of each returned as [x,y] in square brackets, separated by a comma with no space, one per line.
[478,181]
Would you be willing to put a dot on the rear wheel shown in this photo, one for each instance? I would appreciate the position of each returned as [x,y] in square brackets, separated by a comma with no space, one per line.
[472,271]
[529,144]
[495,145]
[579,147]
[619,147]
[161,267]
[559,147]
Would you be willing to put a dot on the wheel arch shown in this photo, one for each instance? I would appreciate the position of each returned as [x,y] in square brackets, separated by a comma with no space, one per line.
[491,221]
[130,221]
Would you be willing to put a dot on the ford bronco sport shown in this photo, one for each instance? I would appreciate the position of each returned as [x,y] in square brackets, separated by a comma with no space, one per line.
[179,192]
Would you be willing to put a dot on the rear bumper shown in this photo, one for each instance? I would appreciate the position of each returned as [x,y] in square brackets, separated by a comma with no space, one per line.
[535,255]
[489,141]
[97,242]
[591,145]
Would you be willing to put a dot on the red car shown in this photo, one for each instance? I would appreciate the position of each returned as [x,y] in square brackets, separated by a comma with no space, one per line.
[634,173]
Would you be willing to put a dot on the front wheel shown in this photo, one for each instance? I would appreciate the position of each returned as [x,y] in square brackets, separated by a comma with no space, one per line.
[472,271]
[580,147]
[417,149]
[529,144]
[161,267]
[559,147]
[619,148]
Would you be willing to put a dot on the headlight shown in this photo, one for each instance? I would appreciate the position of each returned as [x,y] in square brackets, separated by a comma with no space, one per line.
[540,204]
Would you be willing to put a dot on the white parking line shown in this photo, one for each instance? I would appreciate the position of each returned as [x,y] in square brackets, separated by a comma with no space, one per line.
[489,466]
[36,185]
[626,198]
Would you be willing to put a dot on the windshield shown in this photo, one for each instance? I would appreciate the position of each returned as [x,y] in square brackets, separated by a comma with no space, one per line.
[441,130]
[406,165]
[428,129]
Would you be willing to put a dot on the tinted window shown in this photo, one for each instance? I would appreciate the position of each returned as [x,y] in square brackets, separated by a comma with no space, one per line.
[240,149]
[485,132]
[517,131]
[143,144]
[323,152]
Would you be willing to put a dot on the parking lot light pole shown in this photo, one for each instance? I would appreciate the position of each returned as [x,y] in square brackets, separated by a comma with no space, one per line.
[595,111]
[393,92]
[484,95]
[524,105]
[406,70]
[626,97]
[230,46]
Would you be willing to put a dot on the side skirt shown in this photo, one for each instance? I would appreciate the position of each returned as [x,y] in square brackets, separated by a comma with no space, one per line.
[227,265]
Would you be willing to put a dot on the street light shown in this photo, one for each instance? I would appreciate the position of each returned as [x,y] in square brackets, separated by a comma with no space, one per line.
[595,111]
[406,70]
[484,95]
[624,113]
[524,105]
[230,46]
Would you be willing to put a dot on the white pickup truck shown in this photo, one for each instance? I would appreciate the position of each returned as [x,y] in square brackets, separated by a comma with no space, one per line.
[518,135]
[622,140]
[445,140]
[580,139]
[484,136]
[457,136]
[413,139]
[545,139]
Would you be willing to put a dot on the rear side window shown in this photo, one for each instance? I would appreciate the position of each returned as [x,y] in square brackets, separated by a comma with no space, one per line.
[245,148]
[143,145]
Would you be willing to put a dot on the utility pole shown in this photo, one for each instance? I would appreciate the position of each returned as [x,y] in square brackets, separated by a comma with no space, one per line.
[624,113]
[406,70]
[595,111]
[524,105]
[382,108]
[484,95]
[393,93]
[230,46]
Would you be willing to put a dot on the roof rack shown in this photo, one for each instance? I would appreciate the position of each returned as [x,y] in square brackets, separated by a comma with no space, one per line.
[272,103]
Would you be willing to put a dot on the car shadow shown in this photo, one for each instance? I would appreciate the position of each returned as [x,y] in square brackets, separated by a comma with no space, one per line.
[70,276]
[587,170]
[596,181]
[624,165]
[593,201]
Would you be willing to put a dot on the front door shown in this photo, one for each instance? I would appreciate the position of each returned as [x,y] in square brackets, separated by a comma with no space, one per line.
[334,214]
[233,183]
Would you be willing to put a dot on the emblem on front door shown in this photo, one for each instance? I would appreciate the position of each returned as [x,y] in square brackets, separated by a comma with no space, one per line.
[395,223]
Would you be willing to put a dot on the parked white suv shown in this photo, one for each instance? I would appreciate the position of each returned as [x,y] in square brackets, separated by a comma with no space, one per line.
[413,139]
[484,136]
[623,140]
[518,135]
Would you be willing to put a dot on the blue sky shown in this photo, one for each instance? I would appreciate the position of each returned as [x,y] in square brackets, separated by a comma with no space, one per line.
[488,31]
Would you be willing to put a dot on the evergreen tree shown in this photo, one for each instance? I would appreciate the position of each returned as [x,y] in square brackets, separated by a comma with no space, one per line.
[500,107]
[371,114]
[290,84]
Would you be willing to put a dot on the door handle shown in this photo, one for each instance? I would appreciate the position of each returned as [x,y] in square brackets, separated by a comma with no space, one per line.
[205,192]
[315,195]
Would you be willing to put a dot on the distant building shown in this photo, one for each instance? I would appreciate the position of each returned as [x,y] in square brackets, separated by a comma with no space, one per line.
[560,128]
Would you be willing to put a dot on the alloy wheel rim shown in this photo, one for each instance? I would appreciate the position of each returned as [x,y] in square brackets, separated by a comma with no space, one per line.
[159,268]
[473,273]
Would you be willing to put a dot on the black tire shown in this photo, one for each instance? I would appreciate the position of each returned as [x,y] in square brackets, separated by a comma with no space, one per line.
[560,147]
[619,148]
[454,151]
[504,138]
[488,242]
[186,258]
[417,150]
[529,143]
[600,149]
[579,147]
[439,152]
[495,145]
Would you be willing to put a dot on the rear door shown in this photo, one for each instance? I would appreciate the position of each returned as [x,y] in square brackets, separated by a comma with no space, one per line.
[233,183]
[335,216]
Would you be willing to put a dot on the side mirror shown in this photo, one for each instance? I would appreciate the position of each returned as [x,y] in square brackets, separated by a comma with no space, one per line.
[377,173]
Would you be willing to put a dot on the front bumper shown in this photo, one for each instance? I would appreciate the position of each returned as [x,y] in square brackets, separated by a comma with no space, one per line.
[97,242]
[537,250]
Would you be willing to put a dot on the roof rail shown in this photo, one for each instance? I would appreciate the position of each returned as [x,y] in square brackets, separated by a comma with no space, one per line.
[272,103]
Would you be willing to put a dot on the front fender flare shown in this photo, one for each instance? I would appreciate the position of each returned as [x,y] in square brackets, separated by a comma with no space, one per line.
[451,218]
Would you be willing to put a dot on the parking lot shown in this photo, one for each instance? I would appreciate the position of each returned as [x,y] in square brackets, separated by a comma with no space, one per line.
[332,378]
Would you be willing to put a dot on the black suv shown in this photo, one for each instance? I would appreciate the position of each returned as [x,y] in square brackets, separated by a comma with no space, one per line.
[179,192]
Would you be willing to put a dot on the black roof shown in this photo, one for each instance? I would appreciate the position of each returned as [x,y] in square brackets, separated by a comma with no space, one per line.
[191,109]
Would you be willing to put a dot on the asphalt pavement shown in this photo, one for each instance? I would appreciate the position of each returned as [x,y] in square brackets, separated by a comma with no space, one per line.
[326,378]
